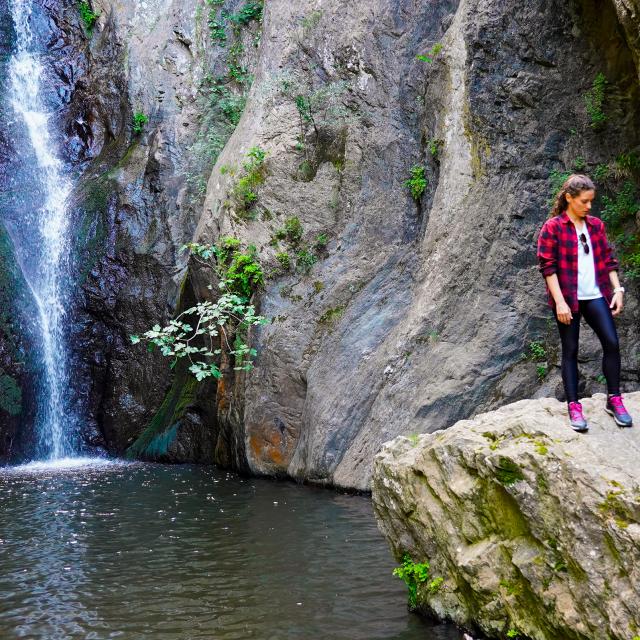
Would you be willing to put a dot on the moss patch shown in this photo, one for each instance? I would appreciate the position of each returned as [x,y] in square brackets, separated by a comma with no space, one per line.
[153,443]
[508,472]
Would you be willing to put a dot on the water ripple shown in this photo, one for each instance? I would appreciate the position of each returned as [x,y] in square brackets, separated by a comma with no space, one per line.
[114,550]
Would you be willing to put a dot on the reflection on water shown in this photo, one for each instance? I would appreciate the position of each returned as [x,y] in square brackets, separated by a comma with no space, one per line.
[110,550]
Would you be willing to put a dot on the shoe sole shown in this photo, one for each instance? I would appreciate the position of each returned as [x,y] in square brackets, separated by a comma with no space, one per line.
[580,429]
[620,424]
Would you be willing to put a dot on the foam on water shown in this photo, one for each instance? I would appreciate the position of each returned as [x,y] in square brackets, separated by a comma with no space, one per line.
[38,467]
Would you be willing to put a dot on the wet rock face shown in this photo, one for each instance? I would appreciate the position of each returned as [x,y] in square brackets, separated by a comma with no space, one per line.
[138,199]
[531,526]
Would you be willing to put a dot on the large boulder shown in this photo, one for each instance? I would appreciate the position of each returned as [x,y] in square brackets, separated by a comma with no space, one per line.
[534,528]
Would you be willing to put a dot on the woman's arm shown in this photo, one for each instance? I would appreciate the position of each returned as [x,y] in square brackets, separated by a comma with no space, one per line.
[562,308]
[617,303]
[547,252]
[612,267]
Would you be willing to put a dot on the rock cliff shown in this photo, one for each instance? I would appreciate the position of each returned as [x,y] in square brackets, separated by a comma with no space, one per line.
[399,314]
[534,529]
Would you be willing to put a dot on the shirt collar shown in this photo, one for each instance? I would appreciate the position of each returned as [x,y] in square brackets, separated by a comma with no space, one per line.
[567,220]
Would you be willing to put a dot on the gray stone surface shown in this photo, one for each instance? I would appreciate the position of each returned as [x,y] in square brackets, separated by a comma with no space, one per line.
[532,526]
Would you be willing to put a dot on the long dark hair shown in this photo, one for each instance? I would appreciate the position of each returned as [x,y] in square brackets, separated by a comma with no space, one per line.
[575,184]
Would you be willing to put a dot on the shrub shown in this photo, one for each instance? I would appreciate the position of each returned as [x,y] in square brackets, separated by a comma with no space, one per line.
[414,574]
[557,179]
[617,209]
[220,324]
[232,106]
[321,241]
[305,260]
[417,183]
[594,100]
[284,259]
[293,229]
[434,145]
[217,29]
[87,15]
[249,12]
[139,121]
[536,351]
[431,54]
[244,192]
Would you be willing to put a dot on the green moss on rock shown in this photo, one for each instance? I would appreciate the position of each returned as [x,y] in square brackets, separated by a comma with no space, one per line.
[508,472]
[153,443]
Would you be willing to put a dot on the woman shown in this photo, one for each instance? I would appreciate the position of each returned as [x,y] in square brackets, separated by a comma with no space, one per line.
[581,274]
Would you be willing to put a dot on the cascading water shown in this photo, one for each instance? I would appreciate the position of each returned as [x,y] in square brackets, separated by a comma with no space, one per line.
[45,229]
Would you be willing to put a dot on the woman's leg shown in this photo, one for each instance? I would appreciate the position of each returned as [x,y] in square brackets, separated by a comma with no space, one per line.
[598,316]
[569,335]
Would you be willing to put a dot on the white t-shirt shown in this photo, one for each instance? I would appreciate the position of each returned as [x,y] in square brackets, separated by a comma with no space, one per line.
[588,289]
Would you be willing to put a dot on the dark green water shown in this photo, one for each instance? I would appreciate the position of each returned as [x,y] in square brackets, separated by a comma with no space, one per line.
[150,551]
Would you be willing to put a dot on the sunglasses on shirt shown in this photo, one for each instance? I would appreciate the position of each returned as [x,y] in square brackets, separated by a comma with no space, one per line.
[585,246]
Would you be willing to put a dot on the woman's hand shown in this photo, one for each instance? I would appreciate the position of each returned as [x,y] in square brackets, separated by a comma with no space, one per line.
[564,312]
[616,303]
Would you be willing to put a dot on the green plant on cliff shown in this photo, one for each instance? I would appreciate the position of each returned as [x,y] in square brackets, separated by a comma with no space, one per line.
[139,121]
[243,193]
[321,112]
[415,574]
[621,207]
[619,211]
[284,259]
[535,351]
[594,101]
[431,54]
[557,179]
[417,182]
[88,15]
[305,260]
[249,12]
[202,332]
[217,29]
[435,145]
[218,20]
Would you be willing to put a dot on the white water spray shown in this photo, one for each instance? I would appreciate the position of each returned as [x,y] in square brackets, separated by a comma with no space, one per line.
[55,424]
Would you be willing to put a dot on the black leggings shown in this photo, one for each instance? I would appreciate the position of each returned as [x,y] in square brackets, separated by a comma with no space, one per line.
[598,316]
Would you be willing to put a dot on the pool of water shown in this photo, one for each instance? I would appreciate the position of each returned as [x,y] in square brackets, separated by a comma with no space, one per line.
[109,550]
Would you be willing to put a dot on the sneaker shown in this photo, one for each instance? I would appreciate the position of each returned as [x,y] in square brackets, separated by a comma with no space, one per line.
[578,423]
[615,407]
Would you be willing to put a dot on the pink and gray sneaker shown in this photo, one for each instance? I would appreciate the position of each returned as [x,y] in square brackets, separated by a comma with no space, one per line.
[578,423]
[616,408]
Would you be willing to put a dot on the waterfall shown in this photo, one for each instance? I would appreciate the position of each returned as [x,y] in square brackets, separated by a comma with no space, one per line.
[44,227]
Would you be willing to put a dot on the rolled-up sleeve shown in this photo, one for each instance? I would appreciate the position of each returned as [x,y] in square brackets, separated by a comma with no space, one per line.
[547,250]
[610,257]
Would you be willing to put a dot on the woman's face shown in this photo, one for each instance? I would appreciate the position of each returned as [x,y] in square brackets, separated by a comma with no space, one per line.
[580,205]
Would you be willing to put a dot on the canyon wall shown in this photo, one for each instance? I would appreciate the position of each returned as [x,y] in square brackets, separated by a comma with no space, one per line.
[411,313]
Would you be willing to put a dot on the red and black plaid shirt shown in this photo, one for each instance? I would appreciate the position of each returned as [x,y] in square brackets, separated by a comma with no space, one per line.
[558,253]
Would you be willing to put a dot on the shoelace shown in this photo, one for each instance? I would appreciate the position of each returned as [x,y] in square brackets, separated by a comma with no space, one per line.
[616,401]
[575,412]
